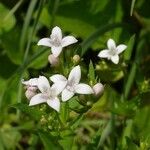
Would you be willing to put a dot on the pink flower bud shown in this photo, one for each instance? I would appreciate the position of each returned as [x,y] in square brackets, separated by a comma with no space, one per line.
[54,61]
[30,92]
[98,89]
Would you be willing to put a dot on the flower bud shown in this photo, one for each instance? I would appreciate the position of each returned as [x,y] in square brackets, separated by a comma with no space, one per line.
[30,93]
[98,89]
[54,61]
[76,59]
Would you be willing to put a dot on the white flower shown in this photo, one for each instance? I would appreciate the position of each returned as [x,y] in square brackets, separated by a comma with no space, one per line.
[72,85]
[54,61]
[56,42]
[98,89]
[113,51]
[48,94]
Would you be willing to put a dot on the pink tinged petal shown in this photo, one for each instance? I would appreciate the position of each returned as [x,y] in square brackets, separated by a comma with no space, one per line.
[56,50]
[29,93]
[54,103]
[98,89]
[57,78]
[44,42]
[57,88]
[75,75]
[68,40]
[104,54]
[115,59]
[66,95]
[31,82]
[83,89]
[56,33]
[37,99]
[121,48]
[43,84]
[111,44]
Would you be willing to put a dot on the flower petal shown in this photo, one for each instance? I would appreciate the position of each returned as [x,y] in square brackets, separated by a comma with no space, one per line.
[56,33]
[44,42]
[111,44]
[37,99]
[68,40]
[43,84]
[57,78]
[115,59]
[83,89]
[121,48]
[66,95]
[104,53]
[75,75]
[56,50]
[54,103]
[31,82]
[57,88]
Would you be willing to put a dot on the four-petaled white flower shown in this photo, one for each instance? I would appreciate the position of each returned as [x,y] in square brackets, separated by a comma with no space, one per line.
[71,85]
[48,94]
[56,42]
[113,51]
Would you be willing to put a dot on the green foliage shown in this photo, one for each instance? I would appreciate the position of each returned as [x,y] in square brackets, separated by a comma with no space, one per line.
[117,120]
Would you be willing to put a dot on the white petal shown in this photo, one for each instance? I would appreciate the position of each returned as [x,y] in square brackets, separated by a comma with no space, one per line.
[37,99]
[104,53]
[66,95]
[57,78]
[43,84]
[121,48]
[31,82]
[75,75]
[111,44]
[56,33]
[115,59]
[68,40]
[57,88]
[54,103]
[56,50]
[83,89]
[44,42]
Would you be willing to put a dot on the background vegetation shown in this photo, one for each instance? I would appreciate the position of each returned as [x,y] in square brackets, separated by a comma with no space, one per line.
[121,118]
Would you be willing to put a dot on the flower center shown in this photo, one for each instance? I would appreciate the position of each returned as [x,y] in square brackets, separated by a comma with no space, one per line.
[112,52]
[70,88]
[55,41]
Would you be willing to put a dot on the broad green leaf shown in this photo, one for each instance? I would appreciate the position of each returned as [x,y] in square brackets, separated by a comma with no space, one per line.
[8,23]
[11,45]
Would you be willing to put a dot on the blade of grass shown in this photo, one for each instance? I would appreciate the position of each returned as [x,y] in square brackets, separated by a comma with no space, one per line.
[13,10]
[132,7]
[26,24]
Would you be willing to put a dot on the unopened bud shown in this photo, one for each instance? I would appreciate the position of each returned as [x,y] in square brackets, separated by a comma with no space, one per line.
[76,59]
[98,89]
[30,93]
[54,61]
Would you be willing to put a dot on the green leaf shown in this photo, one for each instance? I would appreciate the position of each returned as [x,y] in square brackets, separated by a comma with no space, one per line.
[31,111]
[128,51]
[50,142]
[11,45]
[8,23]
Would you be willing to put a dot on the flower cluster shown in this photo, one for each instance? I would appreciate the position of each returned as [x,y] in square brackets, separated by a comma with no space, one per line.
[39,90]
